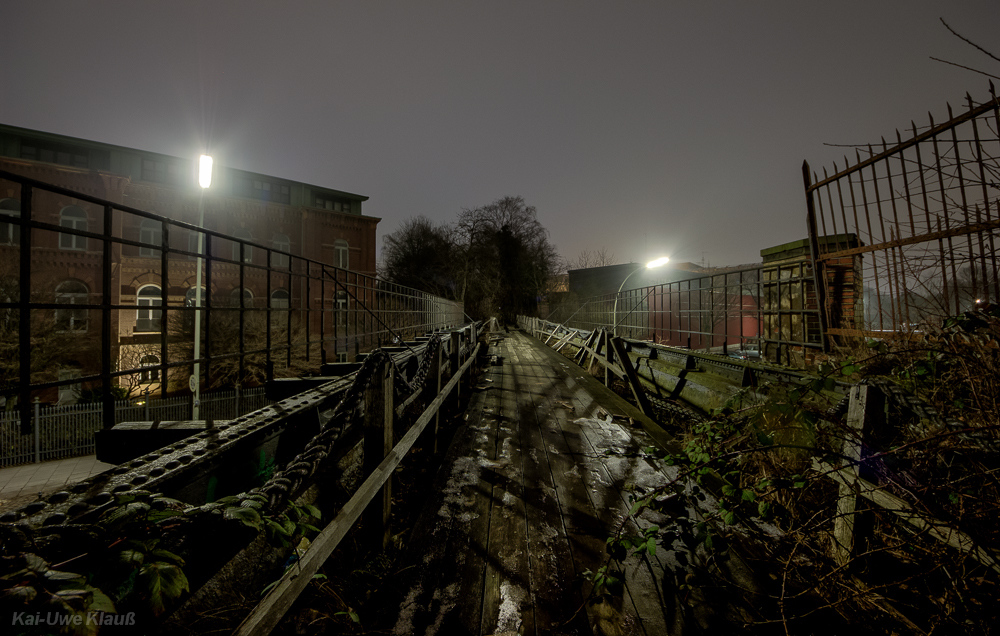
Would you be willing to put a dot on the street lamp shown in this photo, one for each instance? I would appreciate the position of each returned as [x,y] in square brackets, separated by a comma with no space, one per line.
[204,180]
[650,265]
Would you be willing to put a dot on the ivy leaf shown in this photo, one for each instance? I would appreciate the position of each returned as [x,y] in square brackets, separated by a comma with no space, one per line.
[313,511]
[166,555]
[162,583]
[730,518]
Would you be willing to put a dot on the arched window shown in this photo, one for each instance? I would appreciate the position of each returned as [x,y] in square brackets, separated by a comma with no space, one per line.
[10,233]
[243,235]
[73,218]
[280,242]
[247,297]
[150,371]
[69,318]
[279,299]
[147,318]
[151,233]
[341,251]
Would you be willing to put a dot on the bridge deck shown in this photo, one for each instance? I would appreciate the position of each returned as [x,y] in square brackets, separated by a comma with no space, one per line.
[530,489]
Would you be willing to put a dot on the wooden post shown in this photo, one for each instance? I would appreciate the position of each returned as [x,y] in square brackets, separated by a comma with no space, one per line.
[602,339]
[456,364]
[609,359]
[633,378]
[436,369]
[378,443]
[866,410]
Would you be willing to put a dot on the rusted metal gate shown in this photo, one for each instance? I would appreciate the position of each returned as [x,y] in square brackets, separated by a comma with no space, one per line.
[913,225]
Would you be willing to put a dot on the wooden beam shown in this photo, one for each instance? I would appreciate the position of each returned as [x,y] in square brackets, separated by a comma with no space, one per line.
[934,527]
[269,612]
[631,376]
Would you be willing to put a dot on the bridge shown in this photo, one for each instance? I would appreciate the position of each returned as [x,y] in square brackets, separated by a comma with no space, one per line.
[556,503]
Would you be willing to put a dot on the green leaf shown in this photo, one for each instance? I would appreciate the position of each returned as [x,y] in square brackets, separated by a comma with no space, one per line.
[162,583]
[763,509]
[651,545]
[99,601]
[166,555]
[730,518]
[749,495]
[247,516]
[313,511]
[133,558]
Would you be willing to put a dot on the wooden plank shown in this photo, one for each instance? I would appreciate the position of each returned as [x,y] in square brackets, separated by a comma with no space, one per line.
[550,559]
[272,608]
[378,444]
[506,593]
[934,527]
[843,523]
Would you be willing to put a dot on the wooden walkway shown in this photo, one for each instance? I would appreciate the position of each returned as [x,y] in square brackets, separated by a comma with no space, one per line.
[531,487]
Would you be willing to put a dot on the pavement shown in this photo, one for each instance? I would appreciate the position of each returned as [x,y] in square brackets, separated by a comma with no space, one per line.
[20,485]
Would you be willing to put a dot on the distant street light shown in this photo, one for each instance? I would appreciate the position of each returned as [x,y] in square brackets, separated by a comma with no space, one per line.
[650,265]
[204,180]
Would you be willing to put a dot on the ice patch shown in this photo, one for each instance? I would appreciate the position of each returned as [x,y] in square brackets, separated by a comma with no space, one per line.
[509,618]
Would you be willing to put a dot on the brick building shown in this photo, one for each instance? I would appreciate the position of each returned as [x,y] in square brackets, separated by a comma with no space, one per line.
[314,222]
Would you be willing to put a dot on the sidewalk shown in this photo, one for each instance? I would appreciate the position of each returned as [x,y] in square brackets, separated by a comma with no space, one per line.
[20,485]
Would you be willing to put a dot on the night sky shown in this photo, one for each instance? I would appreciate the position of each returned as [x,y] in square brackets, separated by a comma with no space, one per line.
[644,127]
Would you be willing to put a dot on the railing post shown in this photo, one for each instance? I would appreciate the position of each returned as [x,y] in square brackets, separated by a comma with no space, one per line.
[456,364]
[379,412]
[38,432]
[864,412]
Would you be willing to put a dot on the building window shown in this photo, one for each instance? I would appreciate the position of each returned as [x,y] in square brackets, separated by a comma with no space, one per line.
[262,189]
[55,153]
[242,235]
[69,393]
[330,202]
[73,218]
[68,318]
[149,369]
[341,254]
[161,171]
[189,301]
[279,300]
[150,232]
[147,318]
[340,306]
[10,233]
[234,296]
[280,242]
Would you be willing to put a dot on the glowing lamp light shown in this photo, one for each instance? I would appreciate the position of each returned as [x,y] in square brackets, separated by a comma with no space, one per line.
[663,260]
[205,171]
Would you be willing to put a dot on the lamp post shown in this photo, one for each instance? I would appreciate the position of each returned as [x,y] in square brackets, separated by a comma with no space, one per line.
[204,180]
[650,265]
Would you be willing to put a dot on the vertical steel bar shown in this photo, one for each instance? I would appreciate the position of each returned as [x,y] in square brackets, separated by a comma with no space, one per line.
[268,315]
[897,311]
[930,227]
[986,209]
[901,285]
[871,239]
[24,309]
[107,395]
[945,216]
[964,208]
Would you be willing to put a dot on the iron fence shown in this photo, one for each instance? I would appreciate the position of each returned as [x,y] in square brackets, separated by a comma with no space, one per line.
[68,431]
[101,298]
[916,225]
[769,309]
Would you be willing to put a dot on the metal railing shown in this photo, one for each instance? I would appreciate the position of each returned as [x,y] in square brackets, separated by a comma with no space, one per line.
[918,224]
[771,306]
[98,296]
[68,431]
